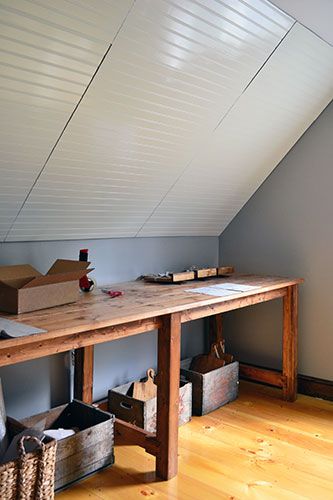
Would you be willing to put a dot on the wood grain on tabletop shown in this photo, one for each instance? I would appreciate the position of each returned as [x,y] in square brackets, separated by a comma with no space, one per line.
[140,301]
[255,447]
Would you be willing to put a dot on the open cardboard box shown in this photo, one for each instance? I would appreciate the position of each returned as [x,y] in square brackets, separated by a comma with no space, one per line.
[24,289]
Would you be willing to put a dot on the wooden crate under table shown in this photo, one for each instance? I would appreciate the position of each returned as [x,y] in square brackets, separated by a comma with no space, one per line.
[213,389]
[143,413]
[88,450]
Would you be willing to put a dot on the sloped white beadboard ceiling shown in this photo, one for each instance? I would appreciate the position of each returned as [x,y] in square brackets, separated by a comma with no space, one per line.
[192,107]
[49,51]
[266,121]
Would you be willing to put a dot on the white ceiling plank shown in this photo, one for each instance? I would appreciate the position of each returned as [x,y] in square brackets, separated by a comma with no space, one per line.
[288,94]
[48,53]
[174,71]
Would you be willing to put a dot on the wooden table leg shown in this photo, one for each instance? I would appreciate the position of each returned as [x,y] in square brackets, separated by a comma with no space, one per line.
[168,396]
[84,374]
[289,345]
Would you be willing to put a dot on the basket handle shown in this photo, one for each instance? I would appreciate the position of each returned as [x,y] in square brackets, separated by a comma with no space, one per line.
[20,445]
[22,490]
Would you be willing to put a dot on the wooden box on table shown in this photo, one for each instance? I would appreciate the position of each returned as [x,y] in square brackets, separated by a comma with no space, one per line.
[88,450]
[213,389]
[143,413]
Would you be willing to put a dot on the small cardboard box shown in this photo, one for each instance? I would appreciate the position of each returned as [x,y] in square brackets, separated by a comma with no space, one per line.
[143,413]
[212,389]
[24,289]
[90,449]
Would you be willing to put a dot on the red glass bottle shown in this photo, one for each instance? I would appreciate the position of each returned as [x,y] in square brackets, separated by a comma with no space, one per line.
[86,284]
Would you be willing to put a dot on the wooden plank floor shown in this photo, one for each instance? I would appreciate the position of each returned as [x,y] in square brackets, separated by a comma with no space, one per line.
[257,447]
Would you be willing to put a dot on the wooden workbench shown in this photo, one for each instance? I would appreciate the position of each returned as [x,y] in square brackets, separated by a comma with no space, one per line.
[96,318]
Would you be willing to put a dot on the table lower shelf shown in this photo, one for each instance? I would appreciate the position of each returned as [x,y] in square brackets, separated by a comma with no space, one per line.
[264,375]
[132,434]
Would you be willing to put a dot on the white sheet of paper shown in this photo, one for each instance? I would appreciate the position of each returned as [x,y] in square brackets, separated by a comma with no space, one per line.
[59,434]
[13,329]
[211,290]
[237,287]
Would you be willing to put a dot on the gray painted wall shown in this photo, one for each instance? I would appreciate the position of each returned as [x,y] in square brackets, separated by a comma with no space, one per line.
[38,385]
[316,16]
[286,229]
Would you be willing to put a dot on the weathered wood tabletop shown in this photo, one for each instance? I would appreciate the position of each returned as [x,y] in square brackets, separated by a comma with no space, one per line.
[140,301]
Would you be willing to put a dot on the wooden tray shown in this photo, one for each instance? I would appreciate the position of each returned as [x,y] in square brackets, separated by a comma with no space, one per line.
[190,275]
[225,270]
[171,278]
[206,273]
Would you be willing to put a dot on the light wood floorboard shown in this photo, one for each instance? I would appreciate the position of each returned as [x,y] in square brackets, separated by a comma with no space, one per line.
[257,447]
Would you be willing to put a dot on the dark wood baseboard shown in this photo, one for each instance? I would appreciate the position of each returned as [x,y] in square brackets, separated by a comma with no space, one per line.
[316,387]
[311,386]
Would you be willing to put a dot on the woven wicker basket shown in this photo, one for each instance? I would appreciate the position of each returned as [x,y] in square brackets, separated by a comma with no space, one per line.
[31,476]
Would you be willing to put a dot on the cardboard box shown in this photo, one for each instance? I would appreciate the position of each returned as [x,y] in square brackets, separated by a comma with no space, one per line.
[24,289]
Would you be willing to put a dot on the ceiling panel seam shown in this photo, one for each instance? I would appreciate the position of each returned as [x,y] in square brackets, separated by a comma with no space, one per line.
[66,125]
[253,78]
[272,115]
[56,144]
[218,124]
